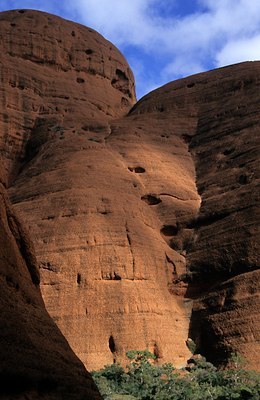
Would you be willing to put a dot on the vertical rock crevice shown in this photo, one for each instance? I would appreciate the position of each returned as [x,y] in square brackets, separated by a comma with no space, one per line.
[222,256]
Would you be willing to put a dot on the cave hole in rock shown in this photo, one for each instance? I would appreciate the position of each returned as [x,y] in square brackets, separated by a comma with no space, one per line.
[116,277]
[21,11]
[121,75]
[79,278]
[80,80]
[89,51]
[228,151]
[73,33]
[13,24]
[137,170]
[120,82]
[111,344]
[151,199]
[49,265]
[169,230]
[92,72]
[243,179]
[190,85]
[93,139]
[187,138]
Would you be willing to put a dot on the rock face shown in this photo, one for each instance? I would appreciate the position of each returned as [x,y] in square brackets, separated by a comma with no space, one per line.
[35,359]
[139,220]
[56,72]
[223,252]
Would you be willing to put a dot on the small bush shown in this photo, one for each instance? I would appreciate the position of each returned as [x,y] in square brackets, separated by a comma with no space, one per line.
[191,345]
[144,380]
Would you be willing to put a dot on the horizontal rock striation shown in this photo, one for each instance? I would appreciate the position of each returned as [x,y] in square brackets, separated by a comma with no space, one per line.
[137,219]
[55,71]
[35,358]
[223,251]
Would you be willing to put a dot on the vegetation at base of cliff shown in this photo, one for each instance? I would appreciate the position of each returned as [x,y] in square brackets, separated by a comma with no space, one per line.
[143,379]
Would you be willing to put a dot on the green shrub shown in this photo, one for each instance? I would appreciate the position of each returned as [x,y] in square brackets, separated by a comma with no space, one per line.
[191,345]
[144,380]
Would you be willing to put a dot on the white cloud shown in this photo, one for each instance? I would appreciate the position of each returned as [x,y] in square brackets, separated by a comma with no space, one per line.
[189,44]
[121,21]
[235,51]
[181,67]
[218,33]
[131,22]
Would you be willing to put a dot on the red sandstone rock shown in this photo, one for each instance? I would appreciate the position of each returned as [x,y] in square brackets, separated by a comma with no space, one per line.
[225,234]
[57,72]
[124,239]
[35,359]
[98,243]
[226,319]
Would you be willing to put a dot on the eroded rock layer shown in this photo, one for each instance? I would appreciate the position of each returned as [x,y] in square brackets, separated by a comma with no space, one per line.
[35,359]
[133,216]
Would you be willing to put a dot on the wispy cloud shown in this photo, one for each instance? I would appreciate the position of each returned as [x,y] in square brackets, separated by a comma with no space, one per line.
[240,49]
[168,44]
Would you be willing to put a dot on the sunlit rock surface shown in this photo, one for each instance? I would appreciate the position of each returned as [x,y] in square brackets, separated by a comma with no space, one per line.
[139,217]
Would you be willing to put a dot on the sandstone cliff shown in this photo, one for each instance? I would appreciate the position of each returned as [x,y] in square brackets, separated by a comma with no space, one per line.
[58,73]
[144,224]
[35,359]
[222,253]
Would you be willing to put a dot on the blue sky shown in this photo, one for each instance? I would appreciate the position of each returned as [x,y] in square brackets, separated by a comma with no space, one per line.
[164,40]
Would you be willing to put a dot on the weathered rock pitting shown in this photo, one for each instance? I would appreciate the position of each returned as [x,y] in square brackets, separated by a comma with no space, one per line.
[55,70]
[133,217]
[225,233]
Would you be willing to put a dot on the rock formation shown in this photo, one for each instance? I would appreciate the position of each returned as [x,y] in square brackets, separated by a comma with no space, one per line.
[35,359]
[222,253]
[58,73]
[144,222]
